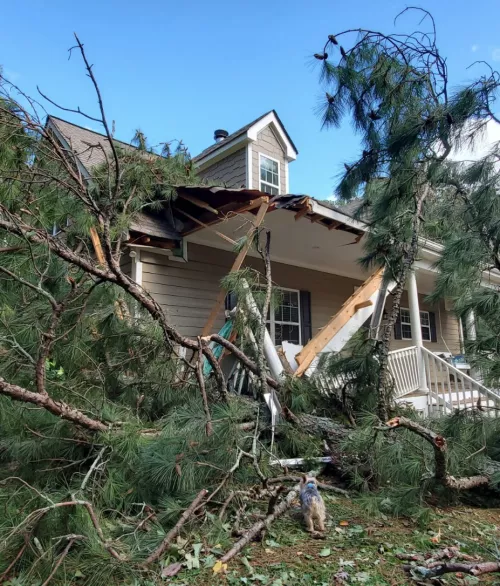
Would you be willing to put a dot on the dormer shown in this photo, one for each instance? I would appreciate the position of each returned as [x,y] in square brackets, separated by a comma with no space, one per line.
[255,156]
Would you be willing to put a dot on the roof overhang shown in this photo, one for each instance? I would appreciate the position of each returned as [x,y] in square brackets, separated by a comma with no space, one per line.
[199,208]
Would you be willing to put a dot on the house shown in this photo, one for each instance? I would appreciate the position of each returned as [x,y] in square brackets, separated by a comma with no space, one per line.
[181,255]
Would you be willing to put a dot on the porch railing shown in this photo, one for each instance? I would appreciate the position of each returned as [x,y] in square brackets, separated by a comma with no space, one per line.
[403,365]
[448,388]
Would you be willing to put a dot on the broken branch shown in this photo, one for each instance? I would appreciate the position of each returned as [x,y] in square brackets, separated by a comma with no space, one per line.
[261,525]
[174,532]
[440,446]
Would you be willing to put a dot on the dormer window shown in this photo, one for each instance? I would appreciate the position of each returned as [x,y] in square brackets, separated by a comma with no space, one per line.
[269,175]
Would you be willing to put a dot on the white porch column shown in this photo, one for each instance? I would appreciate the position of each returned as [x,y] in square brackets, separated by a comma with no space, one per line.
[416,328]
[136,275]
[470,325]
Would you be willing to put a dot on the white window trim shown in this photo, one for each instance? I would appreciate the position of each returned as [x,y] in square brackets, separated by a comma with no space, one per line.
[272,323]
[279,172]
[428,327]
[411,325]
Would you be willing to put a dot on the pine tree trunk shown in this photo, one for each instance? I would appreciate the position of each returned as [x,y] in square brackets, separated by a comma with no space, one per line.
[408,259]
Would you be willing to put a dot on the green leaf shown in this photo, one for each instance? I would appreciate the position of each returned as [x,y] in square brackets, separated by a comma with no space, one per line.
[325,552]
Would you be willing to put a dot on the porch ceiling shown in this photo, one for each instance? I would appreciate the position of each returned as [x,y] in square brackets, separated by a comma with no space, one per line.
[296,242]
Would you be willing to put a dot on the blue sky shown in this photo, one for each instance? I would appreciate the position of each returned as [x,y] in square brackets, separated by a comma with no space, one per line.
[182,69]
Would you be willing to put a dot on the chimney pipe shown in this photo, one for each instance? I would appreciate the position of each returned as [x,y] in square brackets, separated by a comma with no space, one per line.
[220,135]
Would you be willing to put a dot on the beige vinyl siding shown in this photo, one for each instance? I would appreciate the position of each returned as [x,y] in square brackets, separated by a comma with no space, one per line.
[268,144]
[229,171]
[447,328]
[187,291]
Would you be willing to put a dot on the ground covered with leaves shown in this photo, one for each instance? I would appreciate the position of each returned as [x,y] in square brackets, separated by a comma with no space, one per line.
[357,549]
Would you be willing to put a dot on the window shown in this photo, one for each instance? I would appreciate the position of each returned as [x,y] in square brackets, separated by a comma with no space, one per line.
[425,324]
[284,319]
[269,175]
[405,324]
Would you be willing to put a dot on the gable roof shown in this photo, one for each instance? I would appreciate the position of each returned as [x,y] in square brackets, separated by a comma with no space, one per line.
[244,130]
[90,146]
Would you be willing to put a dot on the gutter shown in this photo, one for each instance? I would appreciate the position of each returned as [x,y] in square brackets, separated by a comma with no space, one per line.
[429,249]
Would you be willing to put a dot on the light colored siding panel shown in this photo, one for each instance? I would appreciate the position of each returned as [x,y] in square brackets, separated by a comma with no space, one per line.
[268,144]
[447,328]
[187,291]
[230,171]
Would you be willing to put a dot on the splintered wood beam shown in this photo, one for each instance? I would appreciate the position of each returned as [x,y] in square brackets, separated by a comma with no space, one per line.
[219,303]
[359,306]
[303,212]
[96,243]
[233,207]
[252,204]
[223,236]
[348,309]
[198,202]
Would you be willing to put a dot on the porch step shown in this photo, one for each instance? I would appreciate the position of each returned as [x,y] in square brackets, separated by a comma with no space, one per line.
[449,387]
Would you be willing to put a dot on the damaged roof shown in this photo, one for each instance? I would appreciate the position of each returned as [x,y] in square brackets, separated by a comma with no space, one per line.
[202,206]
[198,207]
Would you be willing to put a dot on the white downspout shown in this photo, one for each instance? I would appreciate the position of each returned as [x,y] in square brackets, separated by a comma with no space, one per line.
[416,327]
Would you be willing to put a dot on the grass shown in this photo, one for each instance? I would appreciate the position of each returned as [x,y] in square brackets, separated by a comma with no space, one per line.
[356,547]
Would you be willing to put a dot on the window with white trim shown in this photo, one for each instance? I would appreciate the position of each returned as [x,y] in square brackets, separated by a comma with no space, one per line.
[425,324]
[284,319]
[269,175]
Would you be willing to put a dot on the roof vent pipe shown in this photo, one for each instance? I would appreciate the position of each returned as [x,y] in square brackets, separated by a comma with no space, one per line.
[220,135]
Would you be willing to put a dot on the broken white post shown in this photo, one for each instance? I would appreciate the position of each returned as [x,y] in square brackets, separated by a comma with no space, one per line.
[416,327]
[270,352]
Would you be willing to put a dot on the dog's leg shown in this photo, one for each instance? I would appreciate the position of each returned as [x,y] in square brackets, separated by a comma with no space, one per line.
[321,524]
[309,523]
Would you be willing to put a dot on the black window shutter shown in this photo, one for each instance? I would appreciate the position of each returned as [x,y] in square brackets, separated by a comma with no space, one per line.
[397,328]
[231,301]
[432,322]
[305,317]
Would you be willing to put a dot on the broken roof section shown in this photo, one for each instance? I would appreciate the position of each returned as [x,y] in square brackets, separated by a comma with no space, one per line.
[201,207]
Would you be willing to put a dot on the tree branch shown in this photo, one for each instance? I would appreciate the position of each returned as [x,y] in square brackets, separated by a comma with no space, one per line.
[174,532]
[57,408]
[440,447]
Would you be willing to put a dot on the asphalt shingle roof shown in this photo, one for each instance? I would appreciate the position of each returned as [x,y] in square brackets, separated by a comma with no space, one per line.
[90,146]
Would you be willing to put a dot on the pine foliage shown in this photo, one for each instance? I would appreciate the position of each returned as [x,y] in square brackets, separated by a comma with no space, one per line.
[395,470]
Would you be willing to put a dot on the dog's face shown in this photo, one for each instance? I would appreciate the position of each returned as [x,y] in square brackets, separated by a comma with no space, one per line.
[308,482]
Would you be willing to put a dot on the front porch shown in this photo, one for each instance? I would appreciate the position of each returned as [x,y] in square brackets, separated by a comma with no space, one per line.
[326,294]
